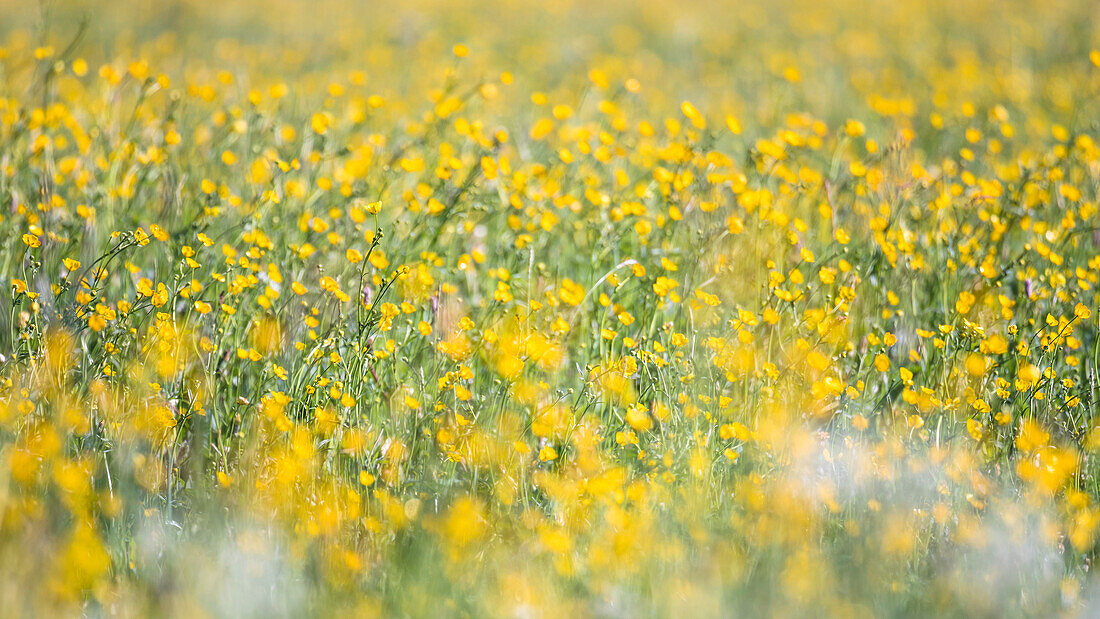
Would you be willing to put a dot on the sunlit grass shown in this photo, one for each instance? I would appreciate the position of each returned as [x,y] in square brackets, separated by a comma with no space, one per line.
[515,308]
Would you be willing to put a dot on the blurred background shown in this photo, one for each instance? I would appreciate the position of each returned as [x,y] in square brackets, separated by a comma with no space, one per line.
[836,58]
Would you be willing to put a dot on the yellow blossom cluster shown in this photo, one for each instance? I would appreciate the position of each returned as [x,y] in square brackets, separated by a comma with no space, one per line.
[510,308]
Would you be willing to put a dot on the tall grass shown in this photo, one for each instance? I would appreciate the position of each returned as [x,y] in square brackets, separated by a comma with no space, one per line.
[514,308]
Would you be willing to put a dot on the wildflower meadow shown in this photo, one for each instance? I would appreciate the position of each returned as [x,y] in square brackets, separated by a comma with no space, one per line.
[516,308]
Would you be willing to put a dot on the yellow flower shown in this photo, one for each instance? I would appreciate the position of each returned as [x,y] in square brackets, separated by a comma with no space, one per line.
[882,362]
[319,122]
[96,322]
[638,419]
[995,345]
[571,293]
[145,287]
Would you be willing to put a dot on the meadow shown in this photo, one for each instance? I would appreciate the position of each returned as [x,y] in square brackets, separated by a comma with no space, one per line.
[529,309]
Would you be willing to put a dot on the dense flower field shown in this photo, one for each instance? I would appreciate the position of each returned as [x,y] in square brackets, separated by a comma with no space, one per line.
[516,308]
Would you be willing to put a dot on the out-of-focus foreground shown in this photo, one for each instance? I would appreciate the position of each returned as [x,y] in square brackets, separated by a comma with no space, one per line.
[529,308]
